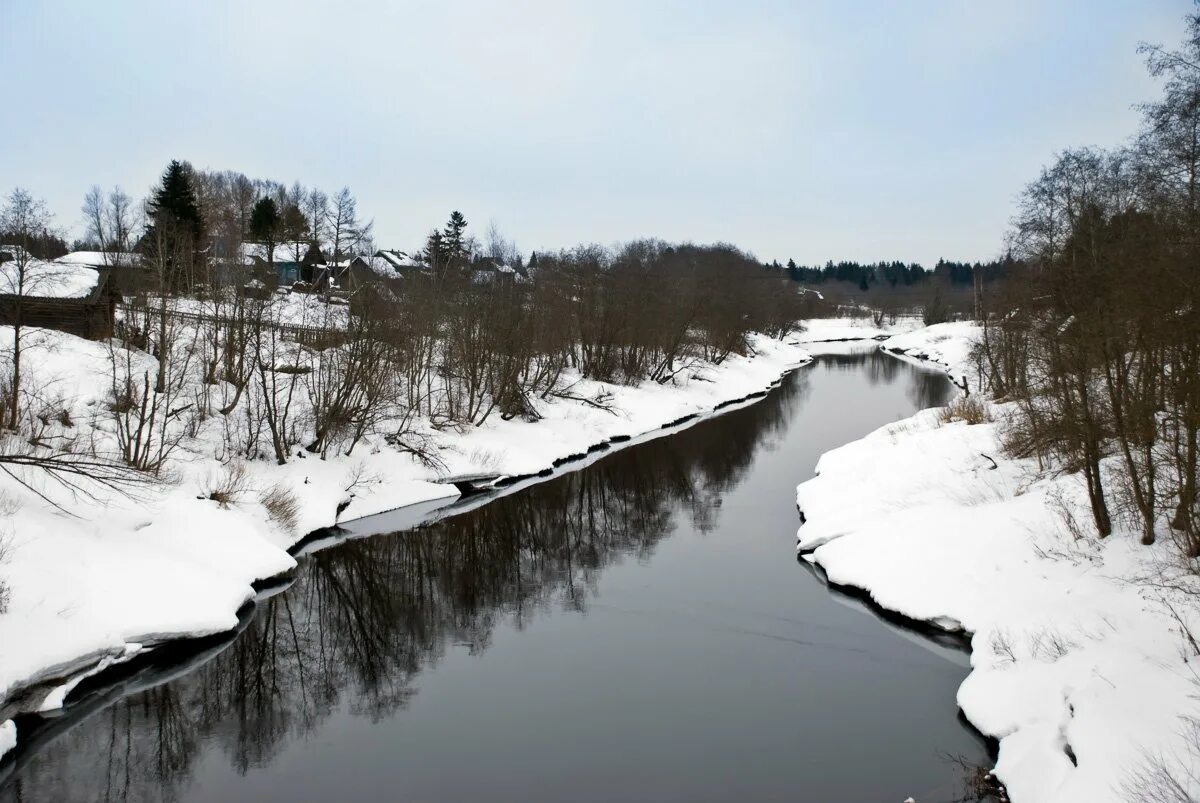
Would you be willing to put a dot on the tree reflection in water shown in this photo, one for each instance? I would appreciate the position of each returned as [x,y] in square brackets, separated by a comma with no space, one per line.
[925,388]
[364,618]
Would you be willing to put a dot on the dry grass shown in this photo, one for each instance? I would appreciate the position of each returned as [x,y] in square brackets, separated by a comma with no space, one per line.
[228,486]
[282,506]
[968,409]
[9,505]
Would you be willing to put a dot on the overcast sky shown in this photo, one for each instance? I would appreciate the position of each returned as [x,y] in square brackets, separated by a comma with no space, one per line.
[813,130]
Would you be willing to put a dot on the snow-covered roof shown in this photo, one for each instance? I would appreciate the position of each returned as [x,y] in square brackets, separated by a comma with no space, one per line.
[284,252]
[47,279]
[99,259]
[401,261]
[486,270]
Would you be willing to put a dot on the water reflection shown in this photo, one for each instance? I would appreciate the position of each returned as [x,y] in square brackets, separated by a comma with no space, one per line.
[364,619]
[924,388]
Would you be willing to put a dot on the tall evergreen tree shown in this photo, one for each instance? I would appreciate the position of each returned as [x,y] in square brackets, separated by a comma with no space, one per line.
[265,225]
[453,237]
[793,271]
[435,251]
[174,200]
[175,232]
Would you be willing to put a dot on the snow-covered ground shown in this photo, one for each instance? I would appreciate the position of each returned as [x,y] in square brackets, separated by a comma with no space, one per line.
[1079,665]
[99,581]
[832,330]
[947,344]
[282,307]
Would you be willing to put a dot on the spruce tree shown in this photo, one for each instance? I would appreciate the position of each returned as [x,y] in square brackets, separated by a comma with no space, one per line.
[265,226]
[793,271]
[174,201]
[452,238]
[175,232]
[435,251]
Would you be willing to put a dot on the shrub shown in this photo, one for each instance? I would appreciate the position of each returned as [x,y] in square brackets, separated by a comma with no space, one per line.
[229,486]
[966,408]
[282,506]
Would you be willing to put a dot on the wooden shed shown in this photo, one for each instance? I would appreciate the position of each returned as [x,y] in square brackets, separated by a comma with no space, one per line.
[91,316]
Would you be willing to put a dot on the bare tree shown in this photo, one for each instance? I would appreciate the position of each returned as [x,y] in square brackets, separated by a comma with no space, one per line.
[111,224]
[23,217]
[316,211]
[346,232]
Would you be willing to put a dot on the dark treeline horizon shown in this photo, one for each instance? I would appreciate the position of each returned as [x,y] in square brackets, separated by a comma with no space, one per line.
[898,274]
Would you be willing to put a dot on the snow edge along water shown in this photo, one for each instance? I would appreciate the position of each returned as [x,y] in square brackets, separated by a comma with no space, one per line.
[741,381]
[1078,669]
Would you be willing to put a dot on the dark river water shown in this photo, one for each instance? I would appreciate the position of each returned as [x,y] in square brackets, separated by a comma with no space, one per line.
[639,629]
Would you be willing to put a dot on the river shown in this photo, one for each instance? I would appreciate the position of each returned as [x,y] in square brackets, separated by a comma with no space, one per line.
[638,629]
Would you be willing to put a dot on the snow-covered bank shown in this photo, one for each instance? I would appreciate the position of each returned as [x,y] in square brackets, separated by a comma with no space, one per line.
[947,344]
[8,737]
[836,330]
[98,583]
[1079,667]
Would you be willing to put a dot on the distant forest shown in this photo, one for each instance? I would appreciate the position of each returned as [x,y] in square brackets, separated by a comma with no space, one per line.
[899,274]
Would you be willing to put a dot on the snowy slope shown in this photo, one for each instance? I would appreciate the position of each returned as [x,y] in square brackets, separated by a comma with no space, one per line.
[1078,668]
[947,344]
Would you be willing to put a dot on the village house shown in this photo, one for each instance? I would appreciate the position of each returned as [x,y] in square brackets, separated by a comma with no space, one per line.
[292,262]
[384,266]
[70,298]
[485,270]
[127,270]
[401,265]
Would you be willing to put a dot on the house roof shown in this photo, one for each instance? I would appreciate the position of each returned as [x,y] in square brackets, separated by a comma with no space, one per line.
[486,269]
[49,280]
[100,259]
[400,262]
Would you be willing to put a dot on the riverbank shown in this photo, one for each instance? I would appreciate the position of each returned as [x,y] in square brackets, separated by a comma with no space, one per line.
[639,605]
[1081,663]
[94,584]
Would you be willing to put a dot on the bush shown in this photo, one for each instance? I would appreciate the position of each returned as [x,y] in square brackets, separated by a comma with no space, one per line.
[966,408]
[229,486]
[282,506]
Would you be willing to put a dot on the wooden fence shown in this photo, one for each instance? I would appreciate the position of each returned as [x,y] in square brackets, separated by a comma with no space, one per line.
[316,337]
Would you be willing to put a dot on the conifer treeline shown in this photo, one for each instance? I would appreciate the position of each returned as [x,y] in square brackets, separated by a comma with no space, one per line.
[886,275]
